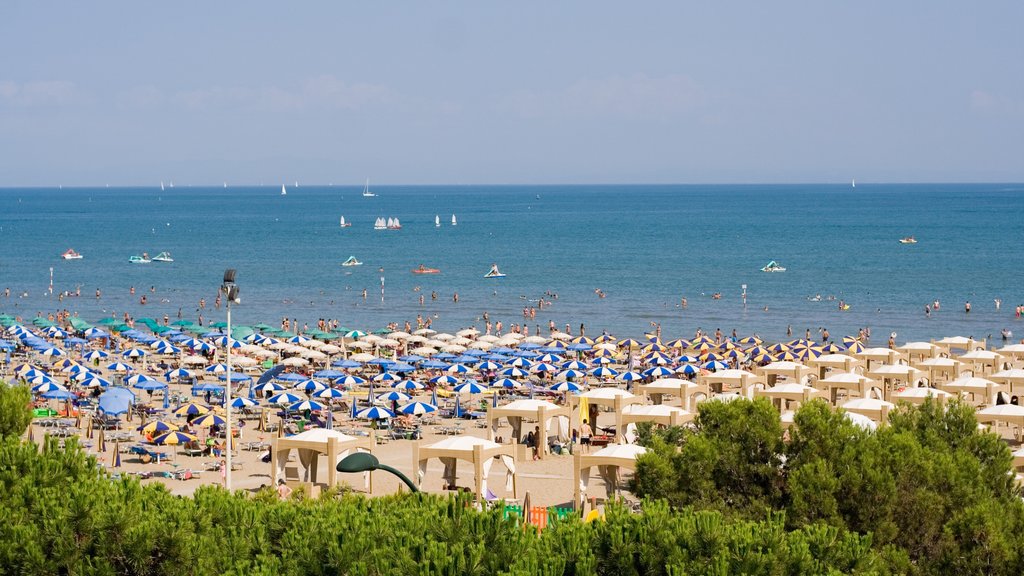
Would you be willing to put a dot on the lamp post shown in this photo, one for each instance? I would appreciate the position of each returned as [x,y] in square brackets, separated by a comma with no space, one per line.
[366,462]
[231,292]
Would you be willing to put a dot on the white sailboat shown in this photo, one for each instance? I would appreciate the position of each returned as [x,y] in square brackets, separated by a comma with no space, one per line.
[161,185]
[454,221]
[437,221]
[366,190]
[853,183]
[345,224]
[380,224]
[284,191]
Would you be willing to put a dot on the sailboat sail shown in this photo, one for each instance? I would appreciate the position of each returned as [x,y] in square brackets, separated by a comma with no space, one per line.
[284,191]
[437,221]
[454,221]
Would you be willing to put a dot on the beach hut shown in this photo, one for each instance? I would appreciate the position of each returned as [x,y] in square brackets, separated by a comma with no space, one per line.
[982,390]
[919,351]
[782,394]
[890,374]
[550,418]
[1003,413]
[920,394]
[791,370]
[940,369]
[1009,378]
[660,414]
[849,381]
[480,453]
[876,410]
[982,362]
[609,461]
[951,343]
[309,446]
[717,381]
[685,390]
[833,363]
[615,399]
[875,356]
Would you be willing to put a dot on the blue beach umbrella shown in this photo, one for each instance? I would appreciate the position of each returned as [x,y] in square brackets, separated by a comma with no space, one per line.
[178,373]
[408,385]
[134,353]
[514,372]
[53,352]
[350,381]
[687,369]
[544,367]
[306,405]
[444,379]
[550,358]
[520,362]
[506,383]
[267,387]
[394,396]
[310,386]
[488,365]
[242,402]
[715,365]
[571,374]
[469,387]
[604,372]
[39,379]
[375,413]
[95,355]
[629,377]
[217,368]
[657,372]
[94,381]
[574,365]
[387,377]
[163,347]
[566,387]
[47,387]
[119,367]
[458,369]
[284,398]
[417,408]
[329,394]
[59,395]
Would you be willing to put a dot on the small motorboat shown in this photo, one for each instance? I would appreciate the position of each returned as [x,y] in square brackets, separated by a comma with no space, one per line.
[71,255]
[773,266]
[163,257]
[351,262]
[424,270]
[494,272]
[144,259]
[908,240]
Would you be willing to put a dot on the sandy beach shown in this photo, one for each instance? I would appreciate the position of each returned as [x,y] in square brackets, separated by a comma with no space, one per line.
[618,380]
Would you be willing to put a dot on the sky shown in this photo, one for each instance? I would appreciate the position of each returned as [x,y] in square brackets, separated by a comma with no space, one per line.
[576,91]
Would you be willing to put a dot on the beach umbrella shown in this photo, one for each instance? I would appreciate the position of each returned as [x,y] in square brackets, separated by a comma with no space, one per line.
[601,361]
[136,379]
[350,381]
[173,438]
[629,376]
[444,379]
[520,362]
[157,427]
[242,402]
[306,405]
[458,369]
[53,352]
[94,355]
[60,394]
[329,374]
[488,365]
[355,407]
[574,365]
[514,372]
[417,408]
[394,396]
[408,385]
[544,367]
[163,347]
[217,368]
[504,383]
[657,372]
[469,387]
[45,387]
[92,333]
[284,398]
[178,373]
[329,394]
[93,381]
[267,387]
[119,367]
[387,377]
[39,379]
[715,365]
[375,413]
[354,334]
[571,374]
[207,420]
[134,353]
[566,387]
[687,369]
[604,372]
[310,386]
[299,340]
[549,357]
[191,409]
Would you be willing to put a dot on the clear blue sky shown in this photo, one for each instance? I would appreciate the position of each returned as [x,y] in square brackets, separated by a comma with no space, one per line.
[129,92]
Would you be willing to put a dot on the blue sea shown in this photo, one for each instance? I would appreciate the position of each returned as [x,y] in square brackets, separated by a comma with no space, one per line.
[644,247]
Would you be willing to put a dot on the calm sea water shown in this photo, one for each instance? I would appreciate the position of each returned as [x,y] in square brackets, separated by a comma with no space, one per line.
[646,247]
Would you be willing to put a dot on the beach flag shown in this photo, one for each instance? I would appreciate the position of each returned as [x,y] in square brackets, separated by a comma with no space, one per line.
[167,398]
[433,397]
[494,399]
[116,460]
[584,410]
[102,444]
[458,410]
[355,407]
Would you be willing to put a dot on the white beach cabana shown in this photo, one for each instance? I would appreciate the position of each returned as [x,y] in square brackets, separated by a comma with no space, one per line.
[614,398]
[480,453]
[873,408]
[889,374]
[1003,413]
[848,381]
[782,394]
[609,461]
[718,381]
[550,417]
[309,446]
[1009,378]
[835,362]
[682,389]
[920,394]
[977,387]
[660,414]
[874,356]
[794,371]
[940,368]
[950,343]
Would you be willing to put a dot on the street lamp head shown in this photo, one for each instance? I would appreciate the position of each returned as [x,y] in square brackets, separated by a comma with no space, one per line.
[229,288]
[359,462]
[229,276]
